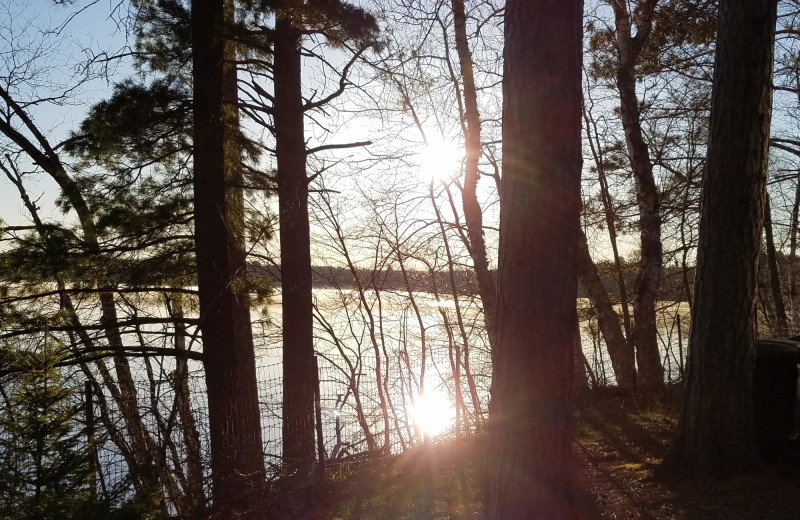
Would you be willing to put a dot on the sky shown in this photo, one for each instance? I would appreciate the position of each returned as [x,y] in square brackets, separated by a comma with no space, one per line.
[92,25]
[62,38]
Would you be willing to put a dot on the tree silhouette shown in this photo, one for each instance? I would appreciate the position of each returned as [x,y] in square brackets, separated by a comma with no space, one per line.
[530,468]
[715,432]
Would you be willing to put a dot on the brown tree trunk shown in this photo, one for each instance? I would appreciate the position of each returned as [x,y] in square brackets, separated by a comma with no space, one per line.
[237,459]
[140,446]
[460,323]
[298,341]
[610,217]
[715,431]
[645,290]
[792,258]
[774,276]
[530,455]
[194,497]
[473,215]
[580,372]
[622,356]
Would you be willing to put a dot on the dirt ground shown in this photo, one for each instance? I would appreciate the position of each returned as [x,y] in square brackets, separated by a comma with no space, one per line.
[619,444]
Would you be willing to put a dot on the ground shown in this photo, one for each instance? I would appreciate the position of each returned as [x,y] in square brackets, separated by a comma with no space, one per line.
[619,444]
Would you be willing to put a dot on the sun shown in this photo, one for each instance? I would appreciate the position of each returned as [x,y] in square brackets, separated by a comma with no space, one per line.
[439,159]
[433,412]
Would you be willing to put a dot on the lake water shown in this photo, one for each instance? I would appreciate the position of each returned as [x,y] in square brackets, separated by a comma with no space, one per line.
[351,334]
[346,354]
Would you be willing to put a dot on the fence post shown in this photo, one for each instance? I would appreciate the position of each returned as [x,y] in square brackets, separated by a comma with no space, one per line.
[318,409]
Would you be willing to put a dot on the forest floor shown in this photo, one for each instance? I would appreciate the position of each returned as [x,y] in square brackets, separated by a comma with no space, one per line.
[619,444]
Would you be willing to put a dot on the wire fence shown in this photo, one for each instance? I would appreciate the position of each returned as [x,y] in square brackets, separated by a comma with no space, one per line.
[349,413]
[349,408]
[418,357]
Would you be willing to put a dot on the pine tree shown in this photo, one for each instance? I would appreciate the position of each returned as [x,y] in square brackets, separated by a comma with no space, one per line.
[530,458]
[45,463]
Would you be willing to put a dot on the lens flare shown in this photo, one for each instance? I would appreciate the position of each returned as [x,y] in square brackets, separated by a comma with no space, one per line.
[439,160]
[433,412]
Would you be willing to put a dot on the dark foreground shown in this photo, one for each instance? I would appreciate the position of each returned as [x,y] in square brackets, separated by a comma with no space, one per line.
[620,442]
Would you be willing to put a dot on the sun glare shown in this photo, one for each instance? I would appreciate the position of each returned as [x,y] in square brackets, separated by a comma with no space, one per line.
[433,412]
[439,160]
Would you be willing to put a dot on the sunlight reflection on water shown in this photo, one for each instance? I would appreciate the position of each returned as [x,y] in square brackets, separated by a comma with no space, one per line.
[433,413]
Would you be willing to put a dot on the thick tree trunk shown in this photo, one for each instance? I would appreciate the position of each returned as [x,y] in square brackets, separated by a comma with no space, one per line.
[237,459]
[645,290]
[715,430]
[298,340]
[774,276]
[473,215]
[530,458]
[622,356]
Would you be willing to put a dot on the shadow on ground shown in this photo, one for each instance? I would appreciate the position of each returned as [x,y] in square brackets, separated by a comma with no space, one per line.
[619,443]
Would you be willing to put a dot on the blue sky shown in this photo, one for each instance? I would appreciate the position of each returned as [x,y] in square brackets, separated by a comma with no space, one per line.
[49,43]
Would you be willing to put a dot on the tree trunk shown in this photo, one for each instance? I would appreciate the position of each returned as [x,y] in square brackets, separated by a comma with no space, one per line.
[622,356]
[473,215]
[715,431]
[237,458]
[460,323]
[530,457]
[140,447]
[356,369]
[774,276]
[298,340]
[194,497]
[792,258]
[645,290]
[610,217]
[580,372]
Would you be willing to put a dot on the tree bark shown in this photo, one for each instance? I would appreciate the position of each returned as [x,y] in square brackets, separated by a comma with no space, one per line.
[298,340]
[473,215]
[715,431]
[622,356]
[530,458]
[645,290]
[237,458]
